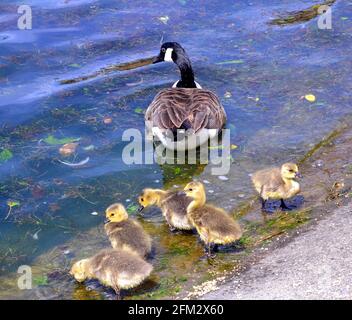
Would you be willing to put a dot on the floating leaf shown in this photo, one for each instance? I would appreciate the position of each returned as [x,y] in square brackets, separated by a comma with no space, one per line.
[68,149]
[40,280]
[256,99]
[310,97]
[55,141]
[91,147]
[177,170]
[164,19]
[239,61]
[132,208]
[74,65]
[13,203]
[5,155]
[344,18]
[138,110]
[227,95]
[107,120]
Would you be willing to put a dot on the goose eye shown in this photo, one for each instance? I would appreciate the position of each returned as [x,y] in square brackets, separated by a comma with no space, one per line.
[163,49]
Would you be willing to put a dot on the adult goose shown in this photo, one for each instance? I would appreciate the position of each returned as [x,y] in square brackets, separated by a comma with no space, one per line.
[184,116]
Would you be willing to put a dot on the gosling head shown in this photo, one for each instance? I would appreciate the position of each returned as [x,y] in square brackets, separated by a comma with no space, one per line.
[171,52]
[79,270]
[195,190]
[149,197]
[290,171]
[116,213]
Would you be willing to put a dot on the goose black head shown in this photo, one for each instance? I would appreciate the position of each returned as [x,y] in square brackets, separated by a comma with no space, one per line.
[171,52]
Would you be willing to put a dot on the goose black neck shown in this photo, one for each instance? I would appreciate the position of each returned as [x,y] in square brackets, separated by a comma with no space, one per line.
[187,75]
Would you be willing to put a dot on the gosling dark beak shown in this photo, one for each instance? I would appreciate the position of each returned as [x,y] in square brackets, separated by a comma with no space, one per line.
[140,209]
[298,175]
[106,221]
[181,193]
[157,59]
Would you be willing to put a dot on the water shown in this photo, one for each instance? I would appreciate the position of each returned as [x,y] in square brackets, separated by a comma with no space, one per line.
[278,65]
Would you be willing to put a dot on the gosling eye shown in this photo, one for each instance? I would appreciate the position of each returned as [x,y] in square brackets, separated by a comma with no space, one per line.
[112,214]
[142,199]
[190,189]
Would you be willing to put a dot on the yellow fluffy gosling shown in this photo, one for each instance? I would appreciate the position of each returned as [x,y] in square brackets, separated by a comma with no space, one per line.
[114,268]
[213,224]
[125,233]
[277,183]
[173,205]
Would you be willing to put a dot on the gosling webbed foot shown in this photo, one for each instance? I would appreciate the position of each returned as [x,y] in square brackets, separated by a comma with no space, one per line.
[209,251]
[283,206]
[210,256]
[173,229]
[118,294]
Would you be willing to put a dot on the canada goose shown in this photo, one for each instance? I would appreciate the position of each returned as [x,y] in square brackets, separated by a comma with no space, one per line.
[172,203]
[213,224]
[125,233]
[114,268]
[277,183]
[184,109]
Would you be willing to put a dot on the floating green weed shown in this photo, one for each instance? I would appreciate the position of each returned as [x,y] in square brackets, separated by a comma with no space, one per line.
[5,155]
[238,61]
[40,280]
[55,141]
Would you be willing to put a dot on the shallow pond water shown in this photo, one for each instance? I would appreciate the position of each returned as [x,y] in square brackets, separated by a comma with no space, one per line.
[261,72]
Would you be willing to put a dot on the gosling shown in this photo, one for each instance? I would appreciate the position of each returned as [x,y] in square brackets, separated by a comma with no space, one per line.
[213,224]
[125,233]
[113,268]
[277,183]
[173,205]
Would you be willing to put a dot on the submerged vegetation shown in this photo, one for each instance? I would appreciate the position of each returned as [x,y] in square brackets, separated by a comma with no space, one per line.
[301,15]
[281,96]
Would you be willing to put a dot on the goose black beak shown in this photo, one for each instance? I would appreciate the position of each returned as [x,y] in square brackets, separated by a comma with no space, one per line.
[298,175]
[106,221]
[140,209]
[157,59]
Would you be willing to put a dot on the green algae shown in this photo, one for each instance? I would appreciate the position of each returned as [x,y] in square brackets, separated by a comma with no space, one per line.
[301,15]
[5,155]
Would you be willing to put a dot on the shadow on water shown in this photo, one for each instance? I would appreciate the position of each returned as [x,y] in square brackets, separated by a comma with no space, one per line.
[261,73]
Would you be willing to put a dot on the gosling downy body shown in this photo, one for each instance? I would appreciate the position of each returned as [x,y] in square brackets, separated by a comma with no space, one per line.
[213,224]
[173,205]
[185,113]
[125,233]
[277,183]
[114,268]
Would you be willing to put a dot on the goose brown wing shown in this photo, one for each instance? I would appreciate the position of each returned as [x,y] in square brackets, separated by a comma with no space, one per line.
[169,109]
[207,111]
[195,108]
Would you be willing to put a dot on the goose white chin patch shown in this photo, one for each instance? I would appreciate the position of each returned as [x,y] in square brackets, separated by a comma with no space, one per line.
[168,55]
